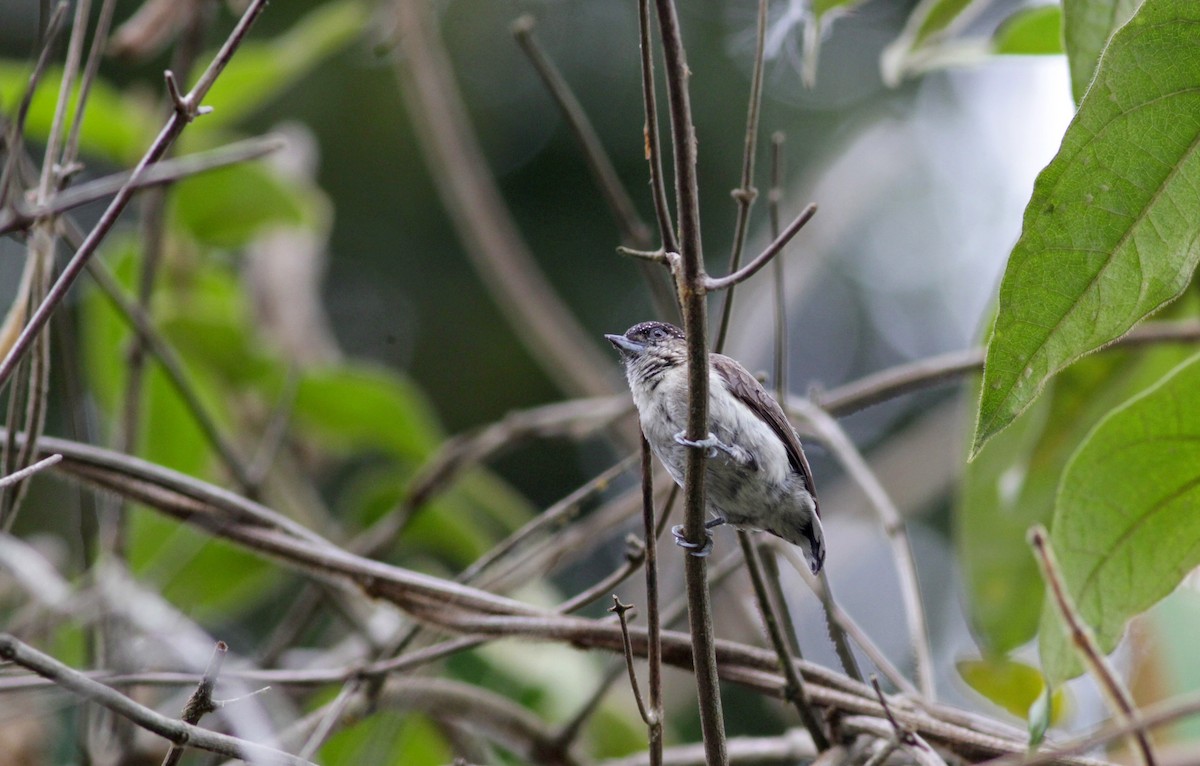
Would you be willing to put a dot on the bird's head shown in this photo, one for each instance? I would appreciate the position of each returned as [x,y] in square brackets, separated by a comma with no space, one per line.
[650,348]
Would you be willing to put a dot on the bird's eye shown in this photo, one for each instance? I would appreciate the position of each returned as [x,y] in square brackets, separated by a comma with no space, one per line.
[658,333]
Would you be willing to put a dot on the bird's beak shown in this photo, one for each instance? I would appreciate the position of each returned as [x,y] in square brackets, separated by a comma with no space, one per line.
[626,346]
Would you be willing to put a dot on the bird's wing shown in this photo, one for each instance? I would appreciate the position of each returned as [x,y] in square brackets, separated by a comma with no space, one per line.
[751,393]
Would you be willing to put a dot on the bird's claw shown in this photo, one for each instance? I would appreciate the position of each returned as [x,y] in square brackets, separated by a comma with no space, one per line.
[711,444]
[693,549]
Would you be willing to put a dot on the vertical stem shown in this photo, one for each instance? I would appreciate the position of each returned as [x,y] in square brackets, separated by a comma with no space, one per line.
[653,619]
[692,296]
[794,692]
[745,194]
[658,188]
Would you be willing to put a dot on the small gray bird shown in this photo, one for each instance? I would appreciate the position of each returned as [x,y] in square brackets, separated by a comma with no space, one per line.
[757,476]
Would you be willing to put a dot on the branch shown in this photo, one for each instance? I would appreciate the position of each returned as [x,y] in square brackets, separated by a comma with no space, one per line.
[1084,642]
[176,732]
[691,283]
[29,470]
[542,322]
[795,692]
[895,381]
[201,702]
[762,259]
[831,433]
[658,188]
[745,194]
[21,214]
[653,617]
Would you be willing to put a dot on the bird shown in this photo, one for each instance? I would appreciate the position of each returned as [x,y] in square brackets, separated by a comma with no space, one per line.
[757,476]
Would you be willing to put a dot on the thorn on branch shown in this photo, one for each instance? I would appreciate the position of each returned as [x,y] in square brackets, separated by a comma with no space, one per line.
[186,105]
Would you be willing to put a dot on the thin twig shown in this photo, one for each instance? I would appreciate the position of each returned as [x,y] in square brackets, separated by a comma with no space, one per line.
[174,126]
[549,330]
[774,199]
[201,702]
[16,129]
[831,433]
[1081,637]
[619,610]
[658,187]
[95,52]
[713,284]
[21,215]
[174,731]
[901,379]
[650,531]
[745,194]
[29,470]
[795,692]
[851,629]
[634,231]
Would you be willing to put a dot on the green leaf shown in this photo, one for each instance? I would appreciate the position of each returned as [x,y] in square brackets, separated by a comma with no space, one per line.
[1087,25]
[1127,521]
[117,127]
[1014,686]
[364,407]
[1030,31]
[1110,234]
[262,70]
[229,206]
[1013,484]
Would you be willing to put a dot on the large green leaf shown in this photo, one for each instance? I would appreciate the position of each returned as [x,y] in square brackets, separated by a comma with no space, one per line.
[1087,25]
[1127,523]
[1110,234]
[1013,484]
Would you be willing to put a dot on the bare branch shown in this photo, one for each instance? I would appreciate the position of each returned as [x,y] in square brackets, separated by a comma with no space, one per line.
[745,194]
[831,433]
[1081,637]
[176,732]
[201,702]
[658,188]
[762,259]
[29,470]
[21,215]
[795,692]
[549,330]
[691,282]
